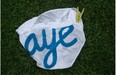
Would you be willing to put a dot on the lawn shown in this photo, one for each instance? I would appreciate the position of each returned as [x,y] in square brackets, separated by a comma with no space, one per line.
[97,56]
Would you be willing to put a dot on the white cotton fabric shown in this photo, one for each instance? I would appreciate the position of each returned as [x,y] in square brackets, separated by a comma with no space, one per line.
[57,19]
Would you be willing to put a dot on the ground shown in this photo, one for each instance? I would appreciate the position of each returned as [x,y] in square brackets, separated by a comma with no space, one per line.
[97,56]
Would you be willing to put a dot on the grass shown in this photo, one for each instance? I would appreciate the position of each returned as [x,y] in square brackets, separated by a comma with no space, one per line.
[97,56]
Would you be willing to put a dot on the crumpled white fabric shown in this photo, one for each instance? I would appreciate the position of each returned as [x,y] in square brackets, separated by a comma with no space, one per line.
[53,39]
